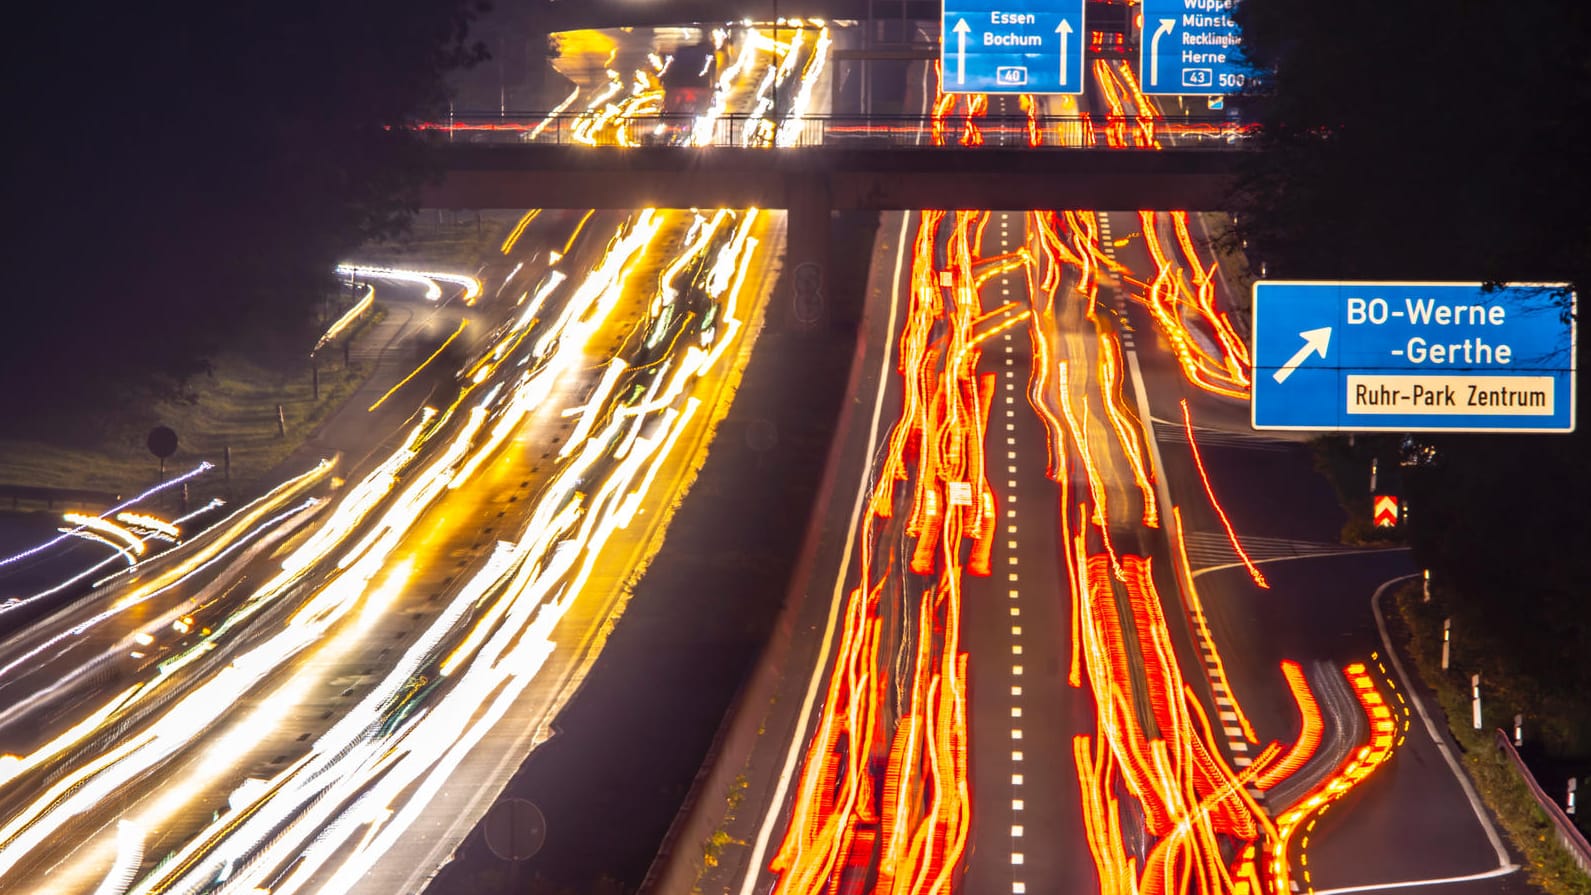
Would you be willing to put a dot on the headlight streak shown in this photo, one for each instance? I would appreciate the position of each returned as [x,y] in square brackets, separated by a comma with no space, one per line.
[120,550]
[199,470]
[232,533]
[106,529]
[519,228]
[423,364]
[341,324]
[154,524]
[595,528]
[569,550]
[129,854]
[426,278]
[553,116]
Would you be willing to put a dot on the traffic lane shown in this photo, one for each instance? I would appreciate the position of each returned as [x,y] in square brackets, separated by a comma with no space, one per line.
[801,650]
[581,633]
[1023,714]
[1409,820]
[280,719]
[1309,612]
[1027,818]
[70,663]
[552,422]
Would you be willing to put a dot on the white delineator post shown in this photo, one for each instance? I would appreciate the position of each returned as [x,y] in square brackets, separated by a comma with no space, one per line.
[1475,698]
[1447,641]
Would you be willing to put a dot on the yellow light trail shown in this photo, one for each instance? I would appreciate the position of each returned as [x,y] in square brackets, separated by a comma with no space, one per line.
[423,364]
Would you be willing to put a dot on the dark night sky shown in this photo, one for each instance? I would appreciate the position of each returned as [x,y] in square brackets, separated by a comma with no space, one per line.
[180,176]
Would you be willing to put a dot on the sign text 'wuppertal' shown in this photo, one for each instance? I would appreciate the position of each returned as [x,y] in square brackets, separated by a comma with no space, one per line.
[1190,47]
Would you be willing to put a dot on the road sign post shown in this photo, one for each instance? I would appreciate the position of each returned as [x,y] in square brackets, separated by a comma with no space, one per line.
[1013,46]
[1409,357]
[1190,48]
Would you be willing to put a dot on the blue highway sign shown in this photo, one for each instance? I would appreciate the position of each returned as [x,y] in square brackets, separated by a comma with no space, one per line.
[1013,46]
[1190,47]
[1412,357]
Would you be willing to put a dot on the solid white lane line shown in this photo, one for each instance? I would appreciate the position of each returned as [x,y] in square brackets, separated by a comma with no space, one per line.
[1409,884]
[798,742]
[1430,729]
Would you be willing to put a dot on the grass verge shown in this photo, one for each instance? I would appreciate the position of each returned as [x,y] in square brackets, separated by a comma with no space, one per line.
[233,407]
[445,240]
[1495,778]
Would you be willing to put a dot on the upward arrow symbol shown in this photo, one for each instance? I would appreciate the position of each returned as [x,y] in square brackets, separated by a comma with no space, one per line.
[961,29]
[1063,29]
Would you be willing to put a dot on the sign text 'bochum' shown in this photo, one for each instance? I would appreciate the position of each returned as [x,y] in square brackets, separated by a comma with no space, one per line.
[1190,47]
[1413,357]
[1013,46]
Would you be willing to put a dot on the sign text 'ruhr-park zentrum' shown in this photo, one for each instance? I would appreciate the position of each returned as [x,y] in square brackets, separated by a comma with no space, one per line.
[1190,47]
[1013,46]
[1413,357]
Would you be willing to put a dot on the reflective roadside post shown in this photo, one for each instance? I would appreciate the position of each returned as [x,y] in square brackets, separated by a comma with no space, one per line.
[1519,730]
[1447,640]
[1426,586]
[1569,802]
[1475,698]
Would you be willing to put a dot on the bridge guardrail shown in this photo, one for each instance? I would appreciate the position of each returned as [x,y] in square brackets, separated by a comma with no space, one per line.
[860,131]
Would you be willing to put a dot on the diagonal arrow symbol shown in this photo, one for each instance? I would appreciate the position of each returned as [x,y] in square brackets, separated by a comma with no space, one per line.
[1315,342]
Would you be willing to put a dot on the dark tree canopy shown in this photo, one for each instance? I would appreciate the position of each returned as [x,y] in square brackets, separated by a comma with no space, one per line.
[1421,140]
[1447,141]
[183,176]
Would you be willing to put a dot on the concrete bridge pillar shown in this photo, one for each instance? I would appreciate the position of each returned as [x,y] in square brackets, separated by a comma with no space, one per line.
[810,210]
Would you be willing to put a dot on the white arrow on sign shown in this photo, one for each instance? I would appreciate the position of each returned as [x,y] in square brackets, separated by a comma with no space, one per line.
[1154,50]
[1063,29]
[961,29]
[1315,342]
